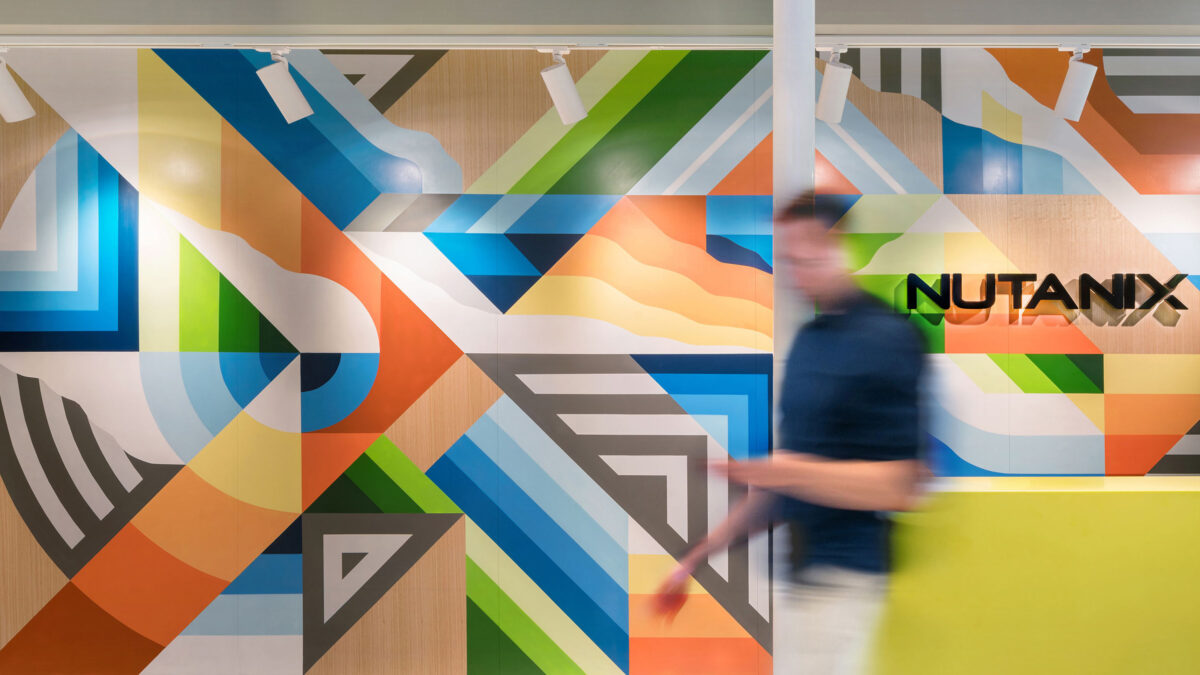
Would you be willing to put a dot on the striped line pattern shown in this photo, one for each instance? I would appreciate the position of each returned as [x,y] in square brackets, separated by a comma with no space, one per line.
[637,442]
[72,484]
[914,71]
[1155,81]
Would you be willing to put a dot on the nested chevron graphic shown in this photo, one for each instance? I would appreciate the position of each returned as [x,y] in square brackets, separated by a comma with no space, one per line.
[73,485]
[351,560]
[642,446]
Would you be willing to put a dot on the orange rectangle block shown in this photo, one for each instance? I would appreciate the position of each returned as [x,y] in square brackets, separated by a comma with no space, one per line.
[701,616]
[697,656]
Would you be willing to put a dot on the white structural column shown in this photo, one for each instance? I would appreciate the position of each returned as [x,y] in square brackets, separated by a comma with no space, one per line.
[793,146]
[793,149]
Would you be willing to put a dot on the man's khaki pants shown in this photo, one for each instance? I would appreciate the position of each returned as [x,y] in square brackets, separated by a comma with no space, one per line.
[825,621]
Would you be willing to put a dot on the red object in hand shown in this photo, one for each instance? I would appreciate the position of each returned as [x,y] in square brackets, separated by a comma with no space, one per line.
[672,594]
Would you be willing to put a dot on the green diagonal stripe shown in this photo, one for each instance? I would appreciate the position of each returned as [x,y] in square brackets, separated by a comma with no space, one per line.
[1064,373]
[380,488]
[657,122]
[515,623]
[600,121]
[1027,376]
[400,469]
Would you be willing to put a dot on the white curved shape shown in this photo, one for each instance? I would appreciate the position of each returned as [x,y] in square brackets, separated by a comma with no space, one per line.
[314,313]
[453,303]
[95,89]
[278,406]
[439,172]
[108,386]
[1016,414]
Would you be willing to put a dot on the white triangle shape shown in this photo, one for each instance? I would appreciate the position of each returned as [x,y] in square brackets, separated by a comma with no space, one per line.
[339,589]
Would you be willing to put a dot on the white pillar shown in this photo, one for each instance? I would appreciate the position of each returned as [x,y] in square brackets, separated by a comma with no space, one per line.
[793,110]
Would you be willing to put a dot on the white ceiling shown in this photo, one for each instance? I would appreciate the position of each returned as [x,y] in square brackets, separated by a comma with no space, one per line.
[582,17]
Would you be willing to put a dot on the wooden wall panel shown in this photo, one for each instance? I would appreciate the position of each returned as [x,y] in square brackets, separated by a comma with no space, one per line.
[443,413]
[910,123]
[1069,235]
[418,627]
[24,144]
[479,102]
[28,578]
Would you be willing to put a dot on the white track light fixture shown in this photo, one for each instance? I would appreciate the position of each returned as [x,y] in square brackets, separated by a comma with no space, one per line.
[835,84]
[283,89]
[14,107]
[562,89]
[1074,93]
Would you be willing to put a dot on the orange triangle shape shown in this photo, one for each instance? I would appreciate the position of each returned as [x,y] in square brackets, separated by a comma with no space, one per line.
[1135,455]
[754,175]
[682,217]
[830,181]
[324,456]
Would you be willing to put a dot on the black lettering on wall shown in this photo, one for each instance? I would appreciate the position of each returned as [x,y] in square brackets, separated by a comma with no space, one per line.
[989,293]
[1052,289]
[916,283]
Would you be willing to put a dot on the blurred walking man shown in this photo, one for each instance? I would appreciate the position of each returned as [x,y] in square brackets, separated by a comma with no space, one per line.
[849,437]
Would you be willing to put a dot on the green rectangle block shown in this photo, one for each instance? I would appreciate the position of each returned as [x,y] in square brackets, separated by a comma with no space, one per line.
[400,469]
[238,320]
[515,623]
[199,301]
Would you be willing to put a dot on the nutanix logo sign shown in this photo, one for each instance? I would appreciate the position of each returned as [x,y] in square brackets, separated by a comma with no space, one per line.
[1120,293]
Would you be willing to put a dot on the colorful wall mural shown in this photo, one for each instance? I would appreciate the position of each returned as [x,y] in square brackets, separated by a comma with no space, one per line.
[419,383]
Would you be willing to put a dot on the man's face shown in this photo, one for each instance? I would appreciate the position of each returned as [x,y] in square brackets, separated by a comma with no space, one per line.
[811,256]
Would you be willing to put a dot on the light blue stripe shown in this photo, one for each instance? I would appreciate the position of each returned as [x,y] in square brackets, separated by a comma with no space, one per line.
[1036,455]
[701,136]
[482,254]
[463,214]
[439,172]
[730,154]
[741,214]
[847,162]
[205,385]
[169,403]
[45,254]
[543,450]
[53,265]
[1182,249]
[734,409]
[550,496]
[881,149]
[505,212]
[250,615]
[561,551]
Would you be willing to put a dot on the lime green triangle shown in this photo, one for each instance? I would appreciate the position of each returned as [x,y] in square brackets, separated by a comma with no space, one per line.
[1066,375]
[860,248]
[199,301]
[1028,377]
[409,479]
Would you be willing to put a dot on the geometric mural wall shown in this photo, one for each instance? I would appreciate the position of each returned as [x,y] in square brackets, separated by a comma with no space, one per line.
[421,383]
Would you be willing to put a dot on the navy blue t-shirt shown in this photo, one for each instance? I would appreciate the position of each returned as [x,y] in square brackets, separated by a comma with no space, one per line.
[850,391]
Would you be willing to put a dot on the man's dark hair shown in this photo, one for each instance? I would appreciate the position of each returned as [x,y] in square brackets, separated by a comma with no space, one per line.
[808,205]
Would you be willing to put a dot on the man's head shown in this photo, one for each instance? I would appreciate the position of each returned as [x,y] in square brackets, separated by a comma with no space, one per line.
[811,252]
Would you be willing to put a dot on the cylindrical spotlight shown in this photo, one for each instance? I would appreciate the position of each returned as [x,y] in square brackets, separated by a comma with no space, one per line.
[14,107]
[1074,93]
[835,84]
[562,90]
[283,90]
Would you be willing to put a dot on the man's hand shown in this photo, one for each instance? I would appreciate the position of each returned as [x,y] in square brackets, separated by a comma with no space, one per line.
[777,472]
[672,592]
